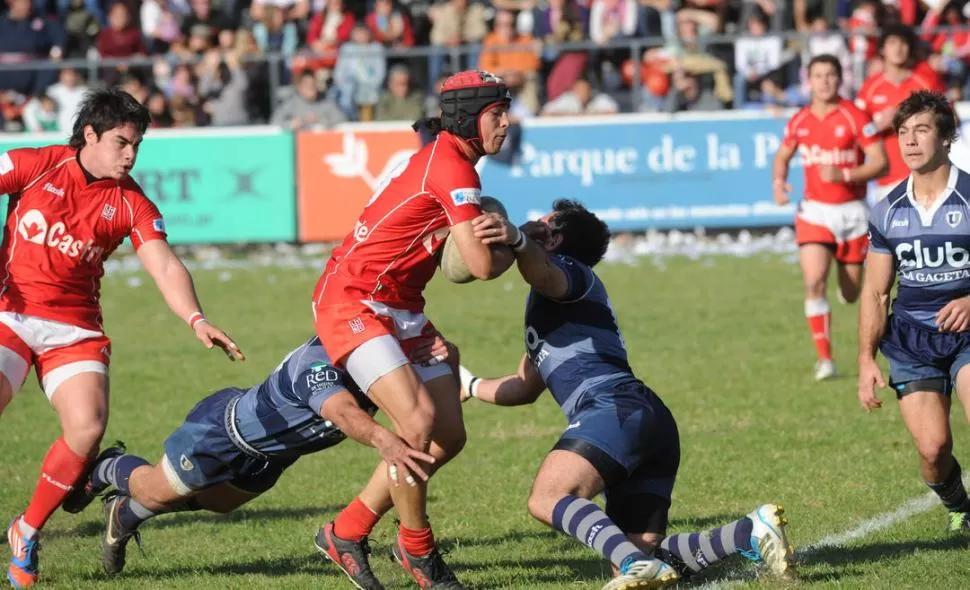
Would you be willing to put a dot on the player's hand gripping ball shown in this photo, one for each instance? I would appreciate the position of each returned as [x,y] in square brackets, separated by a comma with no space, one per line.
[452,264]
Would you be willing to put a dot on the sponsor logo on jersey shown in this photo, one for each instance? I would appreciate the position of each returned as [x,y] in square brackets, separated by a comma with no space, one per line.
[466,196]
[321,375]
[816,156]
[34,228]
[6,164]
[158,225]
[53,189]
[899,223]
[914,256]
[869,130]
[953,218]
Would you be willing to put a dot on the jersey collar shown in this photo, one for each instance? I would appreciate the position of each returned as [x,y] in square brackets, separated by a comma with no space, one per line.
[926,215]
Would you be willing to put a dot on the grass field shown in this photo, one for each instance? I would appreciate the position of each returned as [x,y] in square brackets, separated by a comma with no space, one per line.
[722,340]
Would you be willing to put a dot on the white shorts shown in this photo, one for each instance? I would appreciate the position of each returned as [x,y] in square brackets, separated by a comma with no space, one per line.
[57,350]
[379,356]
[844,227]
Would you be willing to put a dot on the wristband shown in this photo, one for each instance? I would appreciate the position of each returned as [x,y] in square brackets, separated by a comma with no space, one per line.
[469,382]
[195,319]
[519,244]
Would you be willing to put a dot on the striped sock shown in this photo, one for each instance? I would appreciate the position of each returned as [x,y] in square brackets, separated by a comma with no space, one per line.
[699,550]
[132,513]
[951,490]
[586,522]
[116,471]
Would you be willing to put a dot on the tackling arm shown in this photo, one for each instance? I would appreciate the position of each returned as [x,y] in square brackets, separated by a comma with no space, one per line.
[538,270]
[874,303]
[483,261]
[343,410]
[519,389]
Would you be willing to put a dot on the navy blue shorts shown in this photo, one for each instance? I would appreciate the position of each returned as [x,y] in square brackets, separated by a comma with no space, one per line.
[200,453]
[916,353]
[631,438]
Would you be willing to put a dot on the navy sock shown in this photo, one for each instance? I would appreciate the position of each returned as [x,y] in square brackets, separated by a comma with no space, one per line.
[589,525]
[116,471]
[699,550]
[951,490]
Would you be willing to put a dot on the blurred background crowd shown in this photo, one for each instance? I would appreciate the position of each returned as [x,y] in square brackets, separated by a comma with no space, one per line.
[315,63]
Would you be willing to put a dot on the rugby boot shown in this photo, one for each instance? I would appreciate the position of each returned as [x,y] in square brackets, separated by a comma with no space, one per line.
[114,544]
[959,521]
[824,369]
[22,571]
[643,574]
[84,491]
[349,556]
[770,544]
[429,571]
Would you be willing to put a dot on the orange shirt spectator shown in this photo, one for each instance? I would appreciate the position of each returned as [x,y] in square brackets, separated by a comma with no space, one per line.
[504,51]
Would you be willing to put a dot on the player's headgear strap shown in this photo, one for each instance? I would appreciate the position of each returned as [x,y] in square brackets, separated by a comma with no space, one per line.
[465,96]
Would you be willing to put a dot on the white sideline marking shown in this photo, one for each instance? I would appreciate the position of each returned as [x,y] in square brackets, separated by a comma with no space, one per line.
[877,523]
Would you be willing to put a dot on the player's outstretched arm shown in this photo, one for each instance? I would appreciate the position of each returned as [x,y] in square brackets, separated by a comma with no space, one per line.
[519,389]
[483,261]
[175,284]
[873,312]
[342,409]
[535,265]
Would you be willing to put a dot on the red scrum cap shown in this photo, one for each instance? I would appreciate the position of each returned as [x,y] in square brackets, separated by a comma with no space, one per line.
[465,96]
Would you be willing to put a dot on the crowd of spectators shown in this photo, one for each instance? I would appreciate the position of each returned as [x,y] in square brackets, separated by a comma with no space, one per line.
[204,62]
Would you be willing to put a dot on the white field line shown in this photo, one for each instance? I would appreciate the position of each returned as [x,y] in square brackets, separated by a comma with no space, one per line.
[867,527]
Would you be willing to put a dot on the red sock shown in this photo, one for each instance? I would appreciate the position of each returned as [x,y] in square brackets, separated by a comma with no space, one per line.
[819,316]
[417,542]
[58,474]
[355,522]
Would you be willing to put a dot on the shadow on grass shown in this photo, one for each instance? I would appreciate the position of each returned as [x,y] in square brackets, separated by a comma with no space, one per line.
[164,521]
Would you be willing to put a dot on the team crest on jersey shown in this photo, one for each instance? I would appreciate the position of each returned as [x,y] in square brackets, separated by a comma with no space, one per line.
[6,164]
[466,196]
[840,131]
[108,212]
[953,218]
[869,130]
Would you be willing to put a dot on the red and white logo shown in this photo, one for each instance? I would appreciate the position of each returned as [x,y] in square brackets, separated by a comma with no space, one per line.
[34,228]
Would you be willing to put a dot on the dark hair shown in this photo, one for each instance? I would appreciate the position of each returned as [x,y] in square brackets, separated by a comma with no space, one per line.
[105,110]
[901,31]
[927,101]
[585,236]
[826,58]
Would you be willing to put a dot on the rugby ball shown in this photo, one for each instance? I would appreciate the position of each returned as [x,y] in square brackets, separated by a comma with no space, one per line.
[452,264]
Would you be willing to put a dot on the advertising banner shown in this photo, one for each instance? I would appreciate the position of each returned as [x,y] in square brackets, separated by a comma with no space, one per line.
[212,185]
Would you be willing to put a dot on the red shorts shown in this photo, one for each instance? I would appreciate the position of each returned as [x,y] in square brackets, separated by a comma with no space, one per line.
[844,226]
[58,351]
[343,327]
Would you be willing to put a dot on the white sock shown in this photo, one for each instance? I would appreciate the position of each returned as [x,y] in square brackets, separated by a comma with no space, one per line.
[26,530]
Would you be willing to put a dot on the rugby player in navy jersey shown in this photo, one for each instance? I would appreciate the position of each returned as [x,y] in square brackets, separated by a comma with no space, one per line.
[921,232]
[621,439]
[235,444]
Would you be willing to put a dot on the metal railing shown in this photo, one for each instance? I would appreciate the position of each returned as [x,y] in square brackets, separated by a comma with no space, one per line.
[634,45]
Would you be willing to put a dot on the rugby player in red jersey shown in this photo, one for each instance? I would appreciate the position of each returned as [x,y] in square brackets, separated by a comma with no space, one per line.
[840,153]
[369,314]
[70,207]
[882,93]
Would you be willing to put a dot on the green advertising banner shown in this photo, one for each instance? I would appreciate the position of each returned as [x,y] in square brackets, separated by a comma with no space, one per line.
[212,185]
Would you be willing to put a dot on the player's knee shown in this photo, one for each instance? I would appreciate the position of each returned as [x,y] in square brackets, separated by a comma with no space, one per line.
[541,506]
[84,436]
[452,440]
[934,451]
[814,287]
[416,426]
